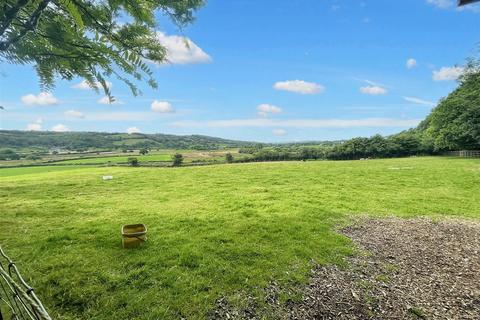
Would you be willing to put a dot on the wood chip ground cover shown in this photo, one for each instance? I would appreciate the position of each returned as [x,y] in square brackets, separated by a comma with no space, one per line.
[405,269]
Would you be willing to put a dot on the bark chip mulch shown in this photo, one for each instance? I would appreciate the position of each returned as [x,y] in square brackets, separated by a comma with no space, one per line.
[409,269]
[405,269]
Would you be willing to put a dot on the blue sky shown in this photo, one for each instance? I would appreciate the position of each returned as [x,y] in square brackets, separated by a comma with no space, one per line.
[273,71]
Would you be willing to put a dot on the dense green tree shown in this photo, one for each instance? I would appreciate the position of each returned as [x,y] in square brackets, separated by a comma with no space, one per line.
[455,123]
[133,162]
[229,158]
[177,160]
[91,39]
[143,151]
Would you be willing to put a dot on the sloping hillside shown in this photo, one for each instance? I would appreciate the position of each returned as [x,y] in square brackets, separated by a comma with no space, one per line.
[101,140]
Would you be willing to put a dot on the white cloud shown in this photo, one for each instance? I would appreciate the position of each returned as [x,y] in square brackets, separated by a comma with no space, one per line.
[299,86]
[60,128]
[265,109]
[181,50]
[411,63]
[161,107]
[279,132]
[447,73]
[74,114]
[106,100]
[132,130]
[300,123]
[84,85]
[34,127]
[419,101]
[42,99]
[373,90]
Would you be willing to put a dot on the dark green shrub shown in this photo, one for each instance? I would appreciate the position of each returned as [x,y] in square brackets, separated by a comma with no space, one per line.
[133,162]
[177,160]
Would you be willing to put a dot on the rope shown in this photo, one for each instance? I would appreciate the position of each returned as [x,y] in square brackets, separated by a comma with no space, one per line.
[17,295]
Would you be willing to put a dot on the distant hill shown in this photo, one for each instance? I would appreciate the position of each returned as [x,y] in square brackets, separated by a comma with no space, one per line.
[100,140]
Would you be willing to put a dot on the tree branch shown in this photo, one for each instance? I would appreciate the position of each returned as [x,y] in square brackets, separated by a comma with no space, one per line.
[29,26]
[10,15]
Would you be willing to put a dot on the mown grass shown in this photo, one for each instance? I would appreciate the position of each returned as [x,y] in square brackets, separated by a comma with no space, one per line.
[213,231]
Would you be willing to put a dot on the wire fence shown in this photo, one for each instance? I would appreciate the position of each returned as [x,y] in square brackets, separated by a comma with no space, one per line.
[464,153]
[18,301]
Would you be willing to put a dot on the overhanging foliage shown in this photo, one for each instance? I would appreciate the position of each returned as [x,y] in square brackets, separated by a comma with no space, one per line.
[90,39]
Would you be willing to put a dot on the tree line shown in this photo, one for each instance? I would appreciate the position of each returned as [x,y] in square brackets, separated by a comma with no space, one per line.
[407,143]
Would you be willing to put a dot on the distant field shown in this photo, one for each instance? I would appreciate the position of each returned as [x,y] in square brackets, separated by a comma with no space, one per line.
[8,172]
[214,231]
[119,159]
[105,158]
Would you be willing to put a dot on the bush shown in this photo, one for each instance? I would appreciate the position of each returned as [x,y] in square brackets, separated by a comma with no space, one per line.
[133,162]
[229,158]
[177,160]
[7,154]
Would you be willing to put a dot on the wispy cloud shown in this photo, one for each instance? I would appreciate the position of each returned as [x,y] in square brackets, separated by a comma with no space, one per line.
[299,123]
[279,132]
[266,109]
[372,83]
[60,128]
[35,126]
[133,130]
[447,73]
[419,101]
[119,116]
[74,114]
[373,90]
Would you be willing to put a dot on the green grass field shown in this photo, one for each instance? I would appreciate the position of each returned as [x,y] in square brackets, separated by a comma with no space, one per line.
[213,231]
[8,172]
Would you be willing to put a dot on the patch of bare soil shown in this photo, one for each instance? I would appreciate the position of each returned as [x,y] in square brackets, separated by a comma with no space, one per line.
[407,269]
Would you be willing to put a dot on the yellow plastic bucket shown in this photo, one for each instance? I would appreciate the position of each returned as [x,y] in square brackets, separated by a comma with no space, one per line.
[133,235]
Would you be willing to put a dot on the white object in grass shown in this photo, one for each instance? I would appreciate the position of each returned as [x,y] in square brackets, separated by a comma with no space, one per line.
[107,177]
